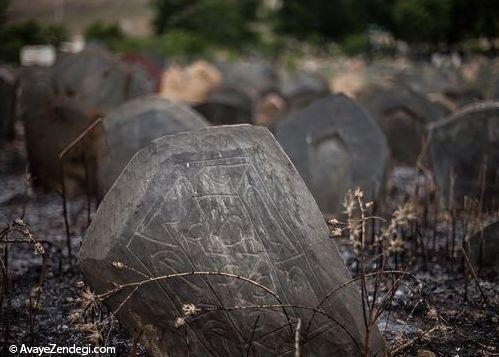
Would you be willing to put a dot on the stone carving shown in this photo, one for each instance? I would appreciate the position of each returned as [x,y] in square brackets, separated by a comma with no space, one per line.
[402,114]
[135,124]
[335,146]
[465,146]
[222,199]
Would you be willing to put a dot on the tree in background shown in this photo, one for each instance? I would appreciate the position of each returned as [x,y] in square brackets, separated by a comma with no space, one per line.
[107,34]
[430,24]
[224,22]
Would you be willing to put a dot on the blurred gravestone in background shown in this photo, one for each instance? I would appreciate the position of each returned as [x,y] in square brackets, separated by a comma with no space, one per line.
[98,79]
[226,105]
[8,88]
[57,104]
[51,123]
[465,154]
[402,114]
[223,199]
[301,88]
[190,84]
[133,125]
[335,146]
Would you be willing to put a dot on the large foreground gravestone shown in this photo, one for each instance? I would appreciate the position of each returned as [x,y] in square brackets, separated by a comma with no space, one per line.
[465,154]
[135,124]
[222,199]
[402,114]
[335,146]
[485,248]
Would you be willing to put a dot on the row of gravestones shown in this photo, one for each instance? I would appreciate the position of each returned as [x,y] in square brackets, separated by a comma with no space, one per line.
[333,135]
[227,200]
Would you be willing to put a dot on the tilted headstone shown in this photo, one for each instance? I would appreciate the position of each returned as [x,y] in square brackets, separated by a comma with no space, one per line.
[98,79]
[222,199]
[484,246]
[135,124]
[226,105]
[8,87]
[465,154]
[335,146]
[402,114]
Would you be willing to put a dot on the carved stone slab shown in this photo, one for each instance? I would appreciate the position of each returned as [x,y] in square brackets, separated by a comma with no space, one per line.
[402,114]
[222,199]
[335,146]
[133,125]
[466,146]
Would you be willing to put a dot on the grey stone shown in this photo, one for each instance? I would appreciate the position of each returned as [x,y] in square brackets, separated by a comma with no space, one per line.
[222,199]
[461,146]
[484,245]
[8,87]
[402,114]
[98,79]
[227,105]
[335,146]
[302,88]
[133,125]
[254,78]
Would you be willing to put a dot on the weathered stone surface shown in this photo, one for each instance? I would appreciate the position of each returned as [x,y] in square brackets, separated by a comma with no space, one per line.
[461,146]
[335,146]
[133,125]
[98,79]
[8,85]
[222,199]
[227,105]
[402,114]
[485,248]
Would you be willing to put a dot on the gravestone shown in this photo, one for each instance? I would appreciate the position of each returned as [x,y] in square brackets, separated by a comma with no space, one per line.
[302,88]
[335,146]
[402,114]
[51,123]
[225,106]
[8,87]
[98,79]
[222,199]
[133,125]
[253,78]
[484,245]
[465,146]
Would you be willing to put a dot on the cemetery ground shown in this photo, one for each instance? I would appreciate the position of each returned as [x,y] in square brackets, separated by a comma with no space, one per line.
[444,307]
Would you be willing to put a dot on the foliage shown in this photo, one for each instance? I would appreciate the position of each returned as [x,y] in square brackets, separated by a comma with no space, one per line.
[433,23]
[222,22]
[108,34]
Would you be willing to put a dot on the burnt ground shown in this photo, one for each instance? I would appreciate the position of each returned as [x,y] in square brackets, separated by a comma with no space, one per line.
[467,325]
